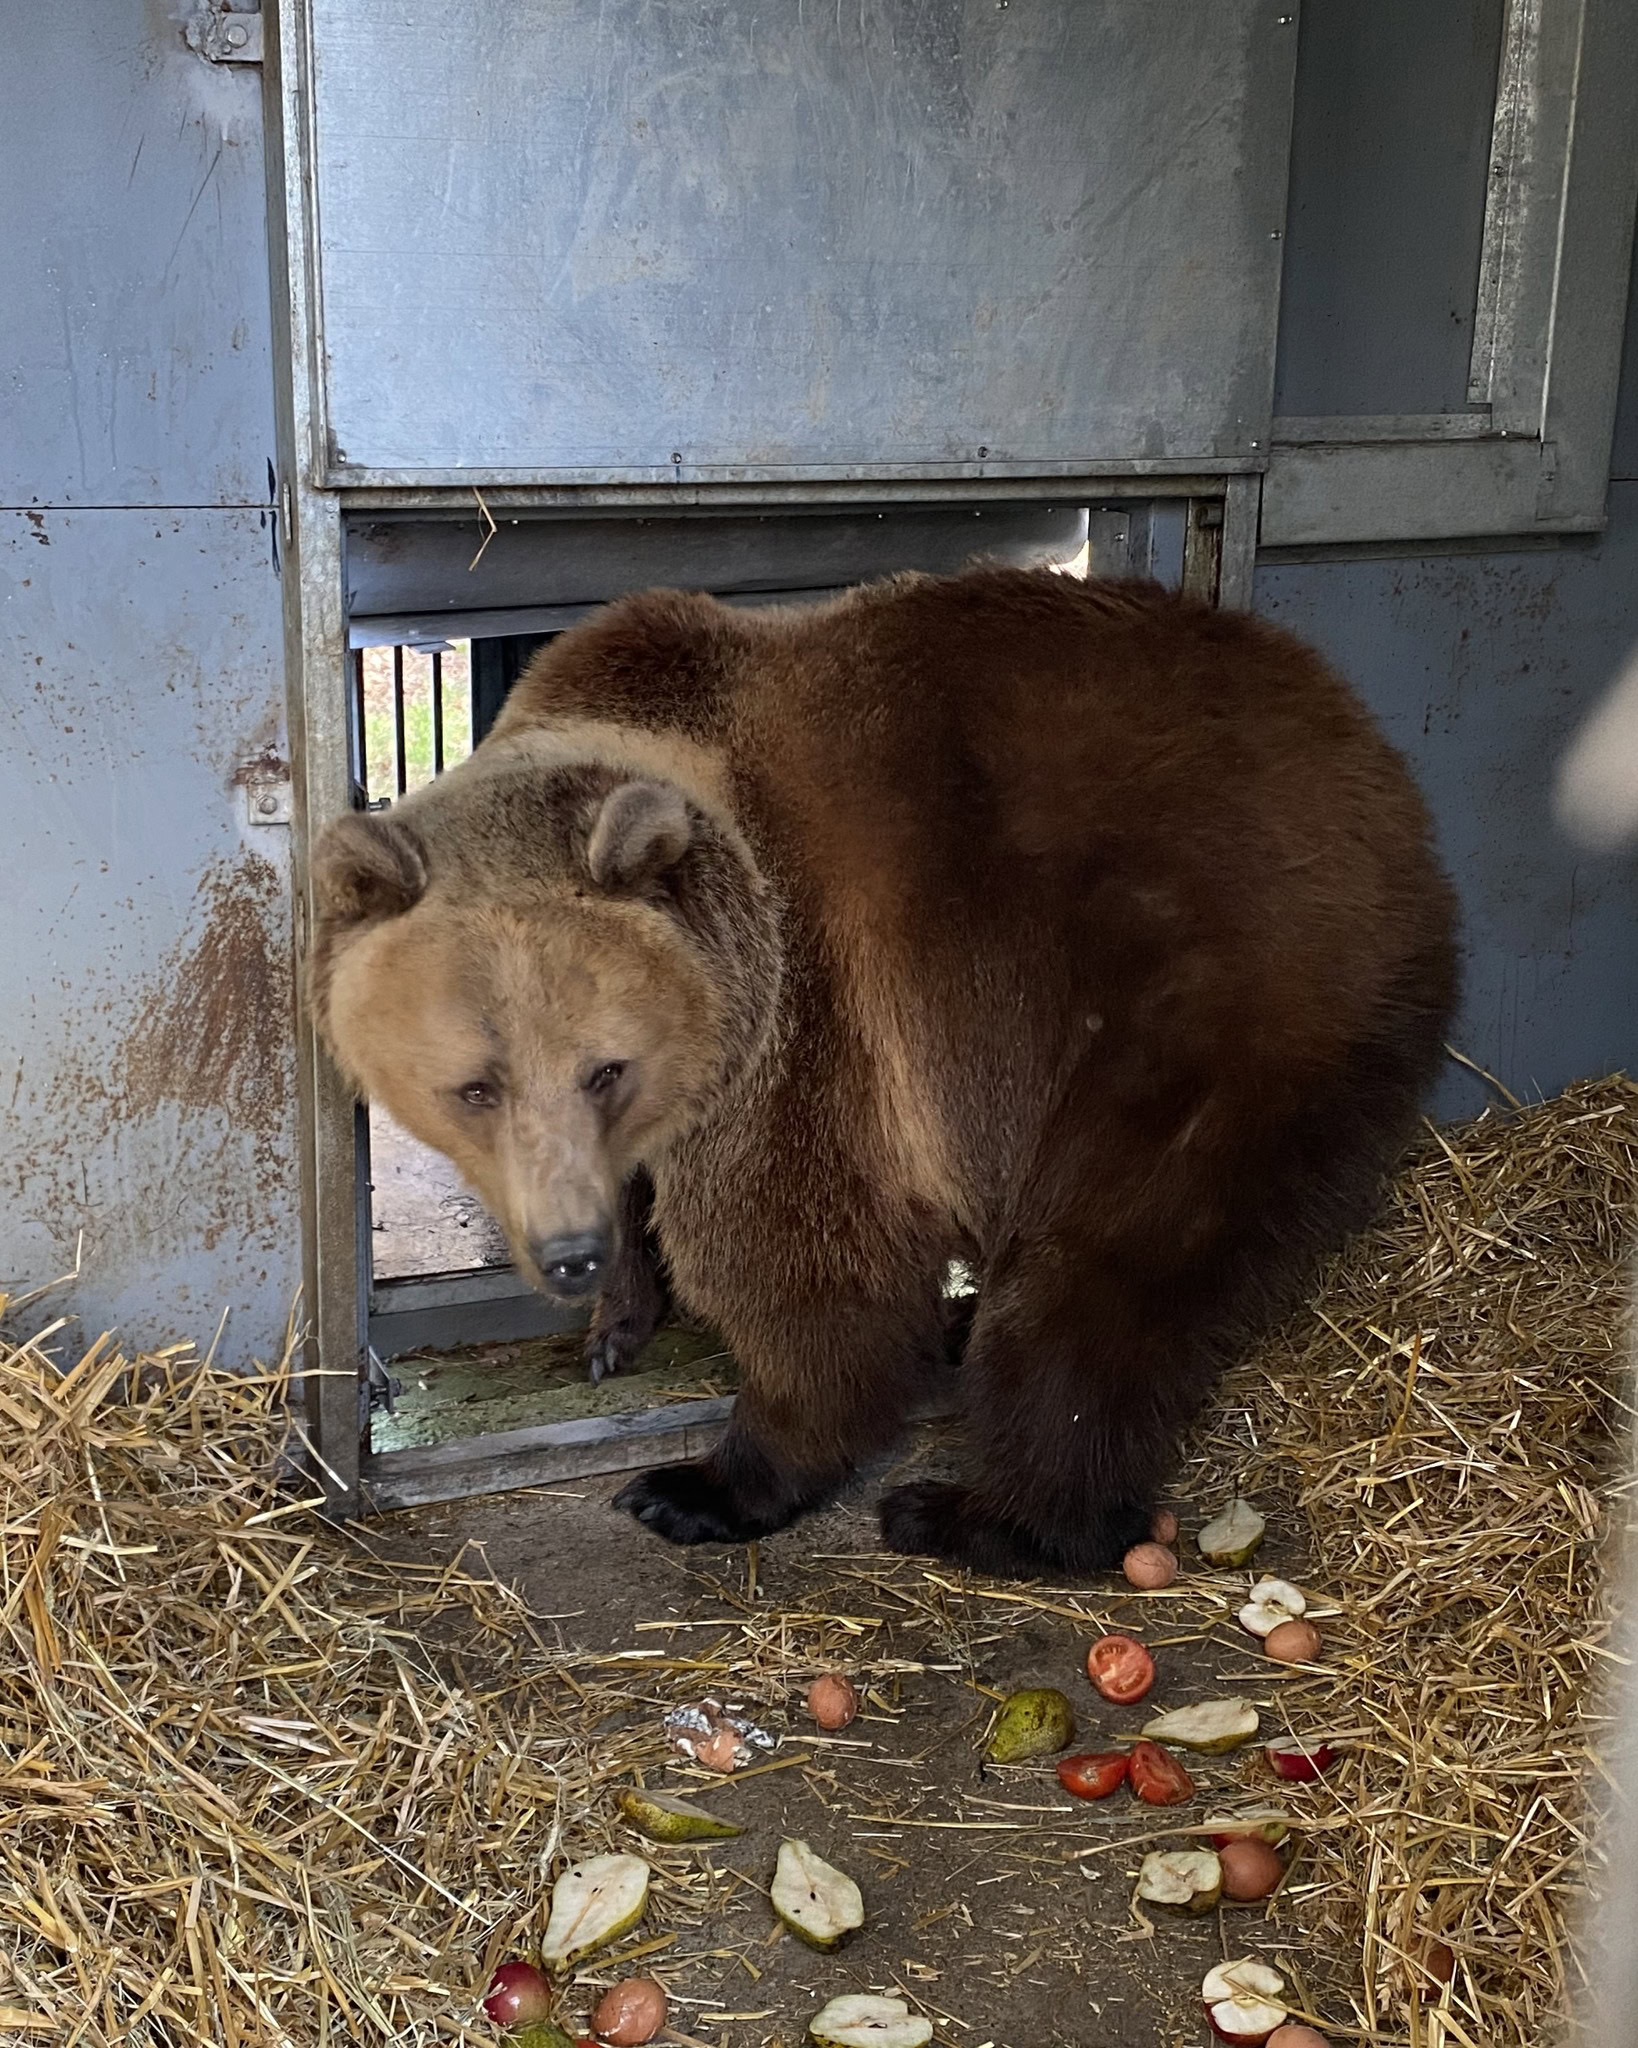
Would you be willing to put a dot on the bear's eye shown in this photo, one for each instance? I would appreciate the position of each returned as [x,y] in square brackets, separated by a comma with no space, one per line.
[479,1094]
[604,1077]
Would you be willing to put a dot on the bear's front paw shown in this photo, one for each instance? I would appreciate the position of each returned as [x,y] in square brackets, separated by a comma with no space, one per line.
[686,1504]
[612,1349]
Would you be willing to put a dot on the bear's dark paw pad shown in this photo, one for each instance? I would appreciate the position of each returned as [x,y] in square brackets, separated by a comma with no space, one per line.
[684,1504]
[927,1519]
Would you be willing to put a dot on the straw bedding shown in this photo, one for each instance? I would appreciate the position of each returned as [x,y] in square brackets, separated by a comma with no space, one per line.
[258,1787]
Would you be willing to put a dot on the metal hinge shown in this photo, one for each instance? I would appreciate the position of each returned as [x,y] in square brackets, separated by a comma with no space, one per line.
[377,1390]
[222,35]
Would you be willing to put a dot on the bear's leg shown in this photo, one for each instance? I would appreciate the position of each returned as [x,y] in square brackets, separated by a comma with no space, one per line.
[819,1395]
[1077,1383]
[637,1297]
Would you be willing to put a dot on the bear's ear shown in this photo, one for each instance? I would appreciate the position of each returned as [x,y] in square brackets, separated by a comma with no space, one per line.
[367,867]
[641,832]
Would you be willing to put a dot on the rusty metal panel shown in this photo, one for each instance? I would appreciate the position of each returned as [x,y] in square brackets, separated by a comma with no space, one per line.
[741,242]
[135,337]
[146,1038]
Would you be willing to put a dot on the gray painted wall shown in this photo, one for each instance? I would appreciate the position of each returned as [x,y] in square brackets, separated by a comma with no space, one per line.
[1481,666]
[146,1082]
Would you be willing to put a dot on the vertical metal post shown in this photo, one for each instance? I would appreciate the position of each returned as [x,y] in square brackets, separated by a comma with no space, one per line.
[437,713]
[319,686]
[400,757]
[1237,551]
[361,751]
[1202,548]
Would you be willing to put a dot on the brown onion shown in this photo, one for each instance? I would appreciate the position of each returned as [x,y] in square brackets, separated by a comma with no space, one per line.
[630,2013]
[1293,1642]
[832,1701]
[1149,1566]
[1251,1869]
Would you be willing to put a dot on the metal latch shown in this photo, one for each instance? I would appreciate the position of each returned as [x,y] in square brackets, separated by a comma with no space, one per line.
[222,36]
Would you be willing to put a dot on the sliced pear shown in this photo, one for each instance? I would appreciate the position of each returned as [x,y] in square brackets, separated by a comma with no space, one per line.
[1232,1538]
[662,1818]
[593,1903]
[1183,1880]
[817,1902]
[1037,1722]
[1214,1725]
[1272,1602]
[858,2020]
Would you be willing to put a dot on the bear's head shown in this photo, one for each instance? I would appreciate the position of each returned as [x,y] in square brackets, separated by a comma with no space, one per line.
[549,971]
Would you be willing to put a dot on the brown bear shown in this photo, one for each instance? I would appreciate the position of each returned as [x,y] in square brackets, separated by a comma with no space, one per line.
[778,959]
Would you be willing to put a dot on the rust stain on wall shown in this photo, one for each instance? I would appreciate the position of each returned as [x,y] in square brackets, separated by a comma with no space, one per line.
[214,1029]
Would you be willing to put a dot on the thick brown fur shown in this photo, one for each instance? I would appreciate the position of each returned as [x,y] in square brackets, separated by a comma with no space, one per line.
[1080,932]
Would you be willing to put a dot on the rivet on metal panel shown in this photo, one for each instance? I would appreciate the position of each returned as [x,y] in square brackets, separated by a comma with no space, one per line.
[221,37]
[265,787]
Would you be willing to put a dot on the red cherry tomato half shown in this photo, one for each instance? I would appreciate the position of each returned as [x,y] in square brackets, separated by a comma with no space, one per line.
[1158,1779]
[1121,1669]
[1093,1777]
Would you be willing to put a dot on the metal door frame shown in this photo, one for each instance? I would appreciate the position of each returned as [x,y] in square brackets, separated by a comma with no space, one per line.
[1219,553]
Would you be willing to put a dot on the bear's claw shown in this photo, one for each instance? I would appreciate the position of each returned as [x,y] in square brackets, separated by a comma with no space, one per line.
[685,1504]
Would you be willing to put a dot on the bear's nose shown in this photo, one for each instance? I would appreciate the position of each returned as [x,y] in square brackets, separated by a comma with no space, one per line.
[573,1265]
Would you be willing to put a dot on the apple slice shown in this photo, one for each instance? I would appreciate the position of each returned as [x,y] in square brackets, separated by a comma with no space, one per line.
[858,2020]
[1182,1880]
[1214,1725]
[593,1903]
[1300,1759]
[1272,1601]
[1233,1536]
[1243,2001]
[820,1904]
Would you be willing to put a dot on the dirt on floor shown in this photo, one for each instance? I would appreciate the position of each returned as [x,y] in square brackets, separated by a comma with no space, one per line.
[995,1903]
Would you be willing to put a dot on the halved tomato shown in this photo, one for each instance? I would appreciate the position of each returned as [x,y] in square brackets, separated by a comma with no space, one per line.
[1095,1776]
[1121,1669]
[1158,1779]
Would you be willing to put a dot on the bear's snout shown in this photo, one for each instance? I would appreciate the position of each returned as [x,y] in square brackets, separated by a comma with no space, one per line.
[575,1265]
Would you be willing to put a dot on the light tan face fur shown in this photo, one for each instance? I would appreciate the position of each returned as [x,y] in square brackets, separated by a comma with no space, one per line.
[527,1008]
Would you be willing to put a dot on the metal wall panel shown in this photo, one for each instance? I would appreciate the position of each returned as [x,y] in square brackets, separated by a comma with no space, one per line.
[1481,666]
[669,241]
[1389,153]
[146,1035]
[135,350]
[422,565]
[145,1003]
